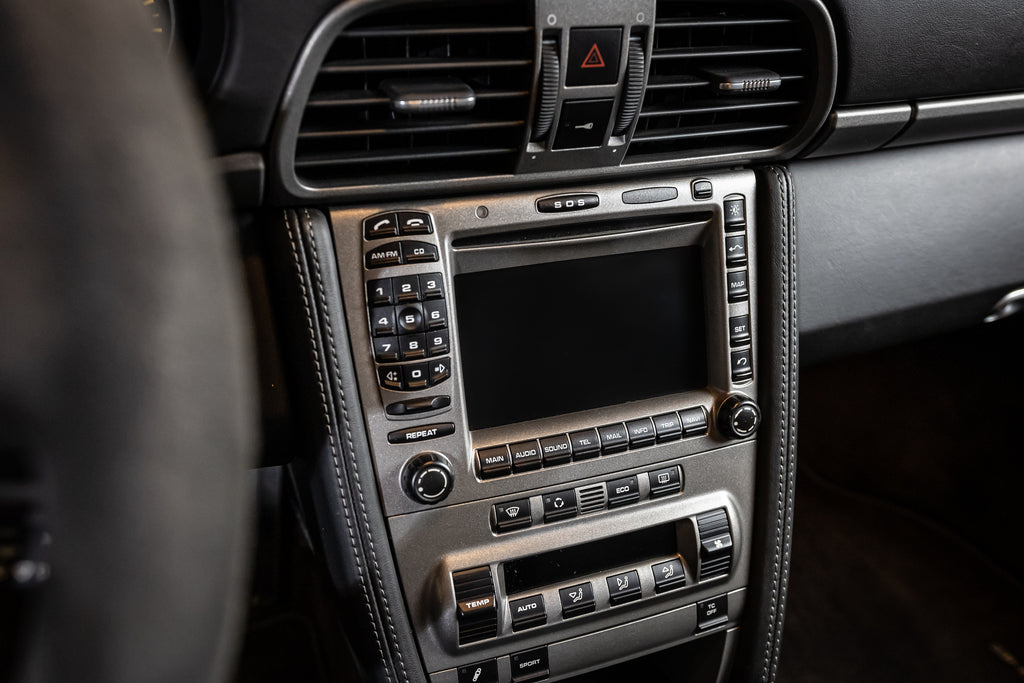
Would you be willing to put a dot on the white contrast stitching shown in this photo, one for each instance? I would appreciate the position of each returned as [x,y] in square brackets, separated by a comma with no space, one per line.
[351,446]
[330,435]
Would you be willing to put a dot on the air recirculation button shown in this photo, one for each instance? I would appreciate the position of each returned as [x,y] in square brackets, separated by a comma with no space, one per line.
[476,608]
[715,544]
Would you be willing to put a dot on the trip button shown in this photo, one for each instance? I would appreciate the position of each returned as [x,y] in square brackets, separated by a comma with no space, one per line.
[613,438]
[514,514]
[559,505]
[667,427]
[527,612]
[381,225]
[556,450]
[737,288]
[668,575]
[384,255]
[525,456]
[695,421]
[418,252]
[712,612]
[742,365]
[577,600]
[494,462]
[739,330]
[623,587]
[585,444]
[623,492]
[641,432]
[529,666]
[665,481]
[414,223]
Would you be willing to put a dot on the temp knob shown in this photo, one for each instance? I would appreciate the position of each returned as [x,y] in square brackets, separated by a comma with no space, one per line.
[738,417]
[428,478]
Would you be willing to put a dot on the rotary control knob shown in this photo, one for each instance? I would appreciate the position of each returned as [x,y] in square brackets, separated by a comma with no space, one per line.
[738,417]
[428,478]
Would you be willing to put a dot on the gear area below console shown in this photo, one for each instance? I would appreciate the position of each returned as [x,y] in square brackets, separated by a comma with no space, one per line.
[560,396]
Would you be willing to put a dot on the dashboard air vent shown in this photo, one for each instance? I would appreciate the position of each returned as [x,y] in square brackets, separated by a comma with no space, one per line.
[420,92]
[725,78]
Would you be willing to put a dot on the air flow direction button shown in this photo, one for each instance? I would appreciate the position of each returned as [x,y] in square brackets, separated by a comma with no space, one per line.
[577,600]
[624,587]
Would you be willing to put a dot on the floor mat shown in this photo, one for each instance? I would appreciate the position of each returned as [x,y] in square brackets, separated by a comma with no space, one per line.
[879,594]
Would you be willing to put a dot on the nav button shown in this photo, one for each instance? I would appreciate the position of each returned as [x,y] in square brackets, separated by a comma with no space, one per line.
[515,514]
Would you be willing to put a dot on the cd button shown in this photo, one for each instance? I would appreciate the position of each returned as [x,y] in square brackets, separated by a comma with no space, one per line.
[418,252]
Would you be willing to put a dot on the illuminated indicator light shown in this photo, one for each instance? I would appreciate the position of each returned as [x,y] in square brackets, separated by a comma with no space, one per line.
[593,60]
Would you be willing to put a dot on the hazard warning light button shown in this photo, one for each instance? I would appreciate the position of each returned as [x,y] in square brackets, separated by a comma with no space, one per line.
[593,56]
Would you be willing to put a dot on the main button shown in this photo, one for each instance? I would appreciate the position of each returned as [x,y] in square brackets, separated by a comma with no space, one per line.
[384,255]
[525,455]
[625,491]
[529,666]
[613,438]
[422,433]
[527,612]
[668,575]
[577,600]
[514,514]
[381,225]
[665,481]
[593,56]
[559,505]
[556,450]
[568,202]
[494,462]
[623,587]
[641,432]
[667,427]
[585,444]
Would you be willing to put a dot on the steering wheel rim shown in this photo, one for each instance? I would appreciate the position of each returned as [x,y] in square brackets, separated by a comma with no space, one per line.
[125,363]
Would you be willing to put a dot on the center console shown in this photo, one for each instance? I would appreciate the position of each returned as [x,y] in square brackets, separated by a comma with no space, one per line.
[559,392]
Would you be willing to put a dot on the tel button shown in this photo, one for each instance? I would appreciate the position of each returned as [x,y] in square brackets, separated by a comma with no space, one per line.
[515,514]
[585,444]
[527,612]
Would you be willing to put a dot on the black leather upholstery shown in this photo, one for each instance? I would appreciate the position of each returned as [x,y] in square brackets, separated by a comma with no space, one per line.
[124,357]
[778,358]
[339,471]
[897,50]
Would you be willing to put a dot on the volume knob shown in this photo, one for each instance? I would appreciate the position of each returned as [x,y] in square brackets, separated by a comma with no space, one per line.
[738,417]
[428,478]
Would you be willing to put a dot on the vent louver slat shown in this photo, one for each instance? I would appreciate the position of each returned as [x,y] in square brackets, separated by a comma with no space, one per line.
[350,131]
[687,109]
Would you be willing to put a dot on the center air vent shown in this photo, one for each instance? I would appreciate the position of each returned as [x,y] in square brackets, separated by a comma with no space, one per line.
[725,78]
[356,127]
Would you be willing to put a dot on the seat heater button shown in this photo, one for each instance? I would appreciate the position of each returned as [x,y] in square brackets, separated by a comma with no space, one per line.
[527,612]
[577,600]
[623,587]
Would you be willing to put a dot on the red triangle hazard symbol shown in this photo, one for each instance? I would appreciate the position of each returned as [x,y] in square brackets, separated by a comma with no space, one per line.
[593,60]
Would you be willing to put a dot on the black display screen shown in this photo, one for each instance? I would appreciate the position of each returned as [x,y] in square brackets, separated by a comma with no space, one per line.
[555,338]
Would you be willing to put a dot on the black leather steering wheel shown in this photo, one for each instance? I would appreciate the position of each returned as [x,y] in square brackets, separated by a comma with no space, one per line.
[125,369]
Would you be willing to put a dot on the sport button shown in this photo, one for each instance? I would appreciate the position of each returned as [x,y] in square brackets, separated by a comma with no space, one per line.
[593,56]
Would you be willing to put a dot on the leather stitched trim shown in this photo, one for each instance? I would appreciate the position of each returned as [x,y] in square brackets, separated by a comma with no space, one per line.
[379,585]
[329,426]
